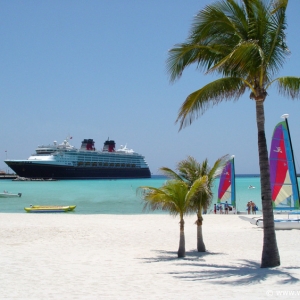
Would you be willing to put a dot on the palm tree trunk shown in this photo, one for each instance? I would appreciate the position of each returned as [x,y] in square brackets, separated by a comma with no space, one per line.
[181,249]
[200,243]
[270,255]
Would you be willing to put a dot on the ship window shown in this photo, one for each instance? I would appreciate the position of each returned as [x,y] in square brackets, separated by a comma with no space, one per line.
[111,164]
[122,165]
[100,164]
[87,163]
[127,165]
[117,165]
[133,165]
[105,164]
[94,164]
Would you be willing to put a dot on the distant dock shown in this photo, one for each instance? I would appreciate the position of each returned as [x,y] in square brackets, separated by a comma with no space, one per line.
[8,176]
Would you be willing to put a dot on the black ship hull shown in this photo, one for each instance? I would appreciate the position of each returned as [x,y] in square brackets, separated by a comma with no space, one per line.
[46,171]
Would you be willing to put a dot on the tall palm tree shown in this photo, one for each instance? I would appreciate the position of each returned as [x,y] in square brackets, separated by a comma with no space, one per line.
[174,196]
[189,171]
[245,42]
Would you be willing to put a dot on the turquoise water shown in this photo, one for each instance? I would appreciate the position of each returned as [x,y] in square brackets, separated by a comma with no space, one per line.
[103,196]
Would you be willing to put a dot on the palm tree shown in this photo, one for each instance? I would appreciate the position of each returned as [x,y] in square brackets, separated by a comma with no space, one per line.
[174,196]
[189,171]
[245,42]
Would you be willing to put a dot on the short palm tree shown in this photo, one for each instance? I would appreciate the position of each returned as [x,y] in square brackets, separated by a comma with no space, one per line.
[175,197]
[189,170]
[245,42]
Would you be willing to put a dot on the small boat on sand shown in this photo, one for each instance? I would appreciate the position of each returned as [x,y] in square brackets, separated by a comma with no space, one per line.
[282,223]
[6,194]
[49,208]
[279,224]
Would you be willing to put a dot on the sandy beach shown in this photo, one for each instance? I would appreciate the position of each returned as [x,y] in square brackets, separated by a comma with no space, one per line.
[69,256]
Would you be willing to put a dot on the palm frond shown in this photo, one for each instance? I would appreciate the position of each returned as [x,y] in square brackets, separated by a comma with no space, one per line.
[211,23]
[170,197]
[246,58]
[199,186]
[237,16]
[189,169]
[211,94]
[218,167]
[156,199]
[259,14]
[183,55]
[205,169]
[289,86]
[275,46]
[215,31]
[169,173]
[279,4]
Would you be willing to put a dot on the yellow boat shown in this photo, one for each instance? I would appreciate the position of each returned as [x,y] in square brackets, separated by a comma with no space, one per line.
[49,208]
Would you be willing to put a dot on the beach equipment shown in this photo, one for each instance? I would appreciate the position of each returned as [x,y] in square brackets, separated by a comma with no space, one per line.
[6,194]
[283,177]
[226,191]
[49,208]
[284,184]
[282,223]
[279,224]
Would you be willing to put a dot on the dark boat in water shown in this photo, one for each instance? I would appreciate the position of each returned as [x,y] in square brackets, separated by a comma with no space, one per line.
[64,161]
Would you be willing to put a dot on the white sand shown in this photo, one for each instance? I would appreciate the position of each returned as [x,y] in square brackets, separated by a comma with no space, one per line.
[69,256]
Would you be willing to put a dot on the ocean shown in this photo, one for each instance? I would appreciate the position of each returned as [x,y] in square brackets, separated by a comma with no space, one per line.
[105,196]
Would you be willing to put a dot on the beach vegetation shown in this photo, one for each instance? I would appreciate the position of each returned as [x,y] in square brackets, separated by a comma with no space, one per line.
[190,170]
[244,42]
[175,197]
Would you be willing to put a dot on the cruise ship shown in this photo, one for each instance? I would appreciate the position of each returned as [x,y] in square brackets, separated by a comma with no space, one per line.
[64,161]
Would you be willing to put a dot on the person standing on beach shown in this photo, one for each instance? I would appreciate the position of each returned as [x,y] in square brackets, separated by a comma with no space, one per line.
[226,207]
[253,208]
[249,207]
[221,208]
[215,208]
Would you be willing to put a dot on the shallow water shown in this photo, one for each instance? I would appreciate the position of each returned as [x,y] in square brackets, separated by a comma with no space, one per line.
[104,196]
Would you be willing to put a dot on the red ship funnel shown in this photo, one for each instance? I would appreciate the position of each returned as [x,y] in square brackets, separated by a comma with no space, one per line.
[109,146]
[88,144]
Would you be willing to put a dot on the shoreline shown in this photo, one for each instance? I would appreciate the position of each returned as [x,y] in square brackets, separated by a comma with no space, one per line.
[67,256]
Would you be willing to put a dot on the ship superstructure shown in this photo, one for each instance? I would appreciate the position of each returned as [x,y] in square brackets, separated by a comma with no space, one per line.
[64,161]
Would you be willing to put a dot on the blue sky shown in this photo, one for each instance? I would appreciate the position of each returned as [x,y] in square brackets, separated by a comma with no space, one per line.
[97,69]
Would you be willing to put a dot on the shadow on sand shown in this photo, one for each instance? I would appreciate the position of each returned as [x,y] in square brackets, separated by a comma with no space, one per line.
[244,272]
[172,255]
